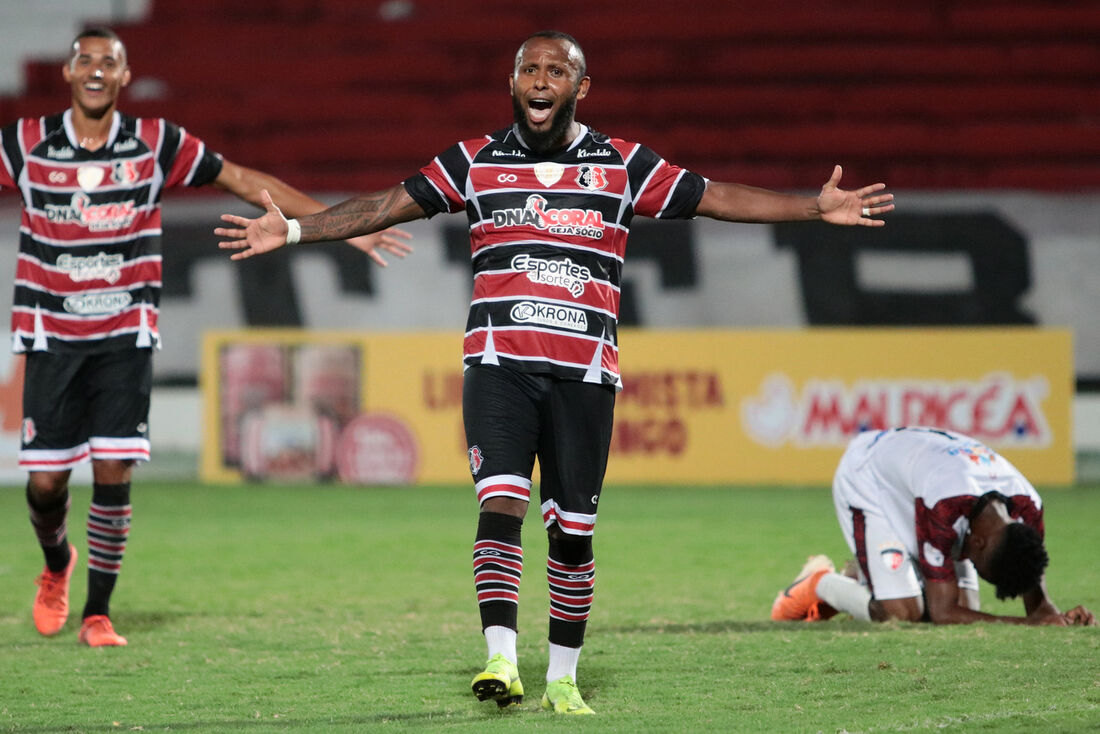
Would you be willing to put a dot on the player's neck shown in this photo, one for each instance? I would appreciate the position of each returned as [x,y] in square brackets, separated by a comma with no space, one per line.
[92,129]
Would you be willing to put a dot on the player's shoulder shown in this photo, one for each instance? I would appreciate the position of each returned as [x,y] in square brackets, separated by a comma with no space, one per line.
[500,146]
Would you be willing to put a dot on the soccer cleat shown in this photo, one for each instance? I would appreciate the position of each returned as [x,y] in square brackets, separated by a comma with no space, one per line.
[499,681]
[51,601]
[563,697]
[96,631]
[799,600]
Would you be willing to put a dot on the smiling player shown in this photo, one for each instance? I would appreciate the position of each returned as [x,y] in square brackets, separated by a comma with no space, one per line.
[87,287]
[549,203]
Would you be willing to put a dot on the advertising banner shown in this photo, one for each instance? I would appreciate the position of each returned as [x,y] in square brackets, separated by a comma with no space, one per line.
[707,406]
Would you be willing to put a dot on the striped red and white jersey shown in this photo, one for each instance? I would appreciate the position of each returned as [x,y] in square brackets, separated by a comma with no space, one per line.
[89,271]
[548,237]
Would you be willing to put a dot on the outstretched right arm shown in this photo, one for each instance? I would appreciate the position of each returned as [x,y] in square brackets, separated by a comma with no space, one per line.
[359,215]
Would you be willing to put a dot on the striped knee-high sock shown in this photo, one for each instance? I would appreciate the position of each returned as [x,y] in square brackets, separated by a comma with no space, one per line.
[50,522]
[571,592]
[498,566]
[108,529]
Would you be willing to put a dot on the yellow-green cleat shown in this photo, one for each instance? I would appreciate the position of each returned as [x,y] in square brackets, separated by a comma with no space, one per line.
[563,697]
[499,681]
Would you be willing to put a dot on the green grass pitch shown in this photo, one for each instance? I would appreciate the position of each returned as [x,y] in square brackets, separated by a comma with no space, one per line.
[261,608]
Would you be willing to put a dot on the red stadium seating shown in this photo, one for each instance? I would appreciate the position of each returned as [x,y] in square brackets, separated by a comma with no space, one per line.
[919,93]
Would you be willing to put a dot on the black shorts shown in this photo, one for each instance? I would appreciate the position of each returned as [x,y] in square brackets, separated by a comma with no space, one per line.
[85,406]
[513,417]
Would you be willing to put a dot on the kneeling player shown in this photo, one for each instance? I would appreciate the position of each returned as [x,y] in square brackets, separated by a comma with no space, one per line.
[926,512]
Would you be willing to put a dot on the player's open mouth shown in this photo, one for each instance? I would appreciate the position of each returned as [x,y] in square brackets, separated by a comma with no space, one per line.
[94,86]
[539,110]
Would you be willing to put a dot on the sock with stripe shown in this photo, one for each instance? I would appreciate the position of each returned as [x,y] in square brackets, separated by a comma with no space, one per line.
[498,566]
[50,521]
[571,577]
[108,529]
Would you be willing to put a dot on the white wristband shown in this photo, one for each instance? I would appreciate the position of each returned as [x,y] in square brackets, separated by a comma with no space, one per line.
[293,231]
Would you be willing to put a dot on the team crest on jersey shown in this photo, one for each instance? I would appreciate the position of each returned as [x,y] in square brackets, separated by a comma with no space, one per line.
[549,173]
[476,459]
[893,556]
[592,178]
[89,177]
[124,172]
[28,430]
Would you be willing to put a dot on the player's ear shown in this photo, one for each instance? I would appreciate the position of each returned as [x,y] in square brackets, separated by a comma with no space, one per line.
[582,87]
[126,76]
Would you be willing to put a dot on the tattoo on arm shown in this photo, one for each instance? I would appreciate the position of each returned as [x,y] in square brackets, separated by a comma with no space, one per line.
[361,215]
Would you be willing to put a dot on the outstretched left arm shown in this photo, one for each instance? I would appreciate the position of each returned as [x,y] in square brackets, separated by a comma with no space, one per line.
[739,203]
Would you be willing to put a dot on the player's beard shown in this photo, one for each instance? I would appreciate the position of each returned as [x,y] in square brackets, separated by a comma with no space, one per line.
[551,140]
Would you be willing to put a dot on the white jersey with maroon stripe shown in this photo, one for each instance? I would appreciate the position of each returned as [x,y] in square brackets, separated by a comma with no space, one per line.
[925,482]
[89,270]
[548,237]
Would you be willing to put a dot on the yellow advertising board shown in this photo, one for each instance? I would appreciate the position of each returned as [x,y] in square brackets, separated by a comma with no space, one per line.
[706,406]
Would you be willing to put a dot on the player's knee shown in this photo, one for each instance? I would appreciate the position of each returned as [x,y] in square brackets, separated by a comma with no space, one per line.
[572,550]
[901,610]
[47,484]
[112,471]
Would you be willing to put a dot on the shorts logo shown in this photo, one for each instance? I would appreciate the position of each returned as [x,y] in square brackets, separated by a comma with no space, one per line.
[893,556]
[476,459]
[526,312]
[592,178]
[29,432]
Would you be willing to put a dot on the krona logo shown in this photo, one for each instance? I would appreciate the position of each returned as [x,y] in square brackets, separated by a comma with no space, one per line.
[998,407]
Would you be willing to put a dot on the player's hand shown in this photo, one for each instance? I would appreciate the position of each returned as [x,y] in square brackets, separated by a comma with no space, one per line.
[838,206]
[390,240]
[1080,617]
[254,236]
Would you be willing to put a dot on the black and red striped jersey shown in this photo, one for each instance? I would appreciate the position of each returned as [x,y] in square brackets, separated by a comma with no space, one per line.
[548,236]
[89,271]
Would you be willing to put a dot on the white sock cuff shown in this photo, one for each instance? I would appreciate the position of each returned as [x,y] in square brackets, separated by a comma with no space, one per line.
[499,639]
[845,595]
[563,661]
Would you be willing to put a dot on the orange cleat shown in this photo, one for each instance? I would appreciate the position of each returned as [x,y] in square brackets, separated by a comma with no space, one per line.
[96,631]
[799,600]
[51,602]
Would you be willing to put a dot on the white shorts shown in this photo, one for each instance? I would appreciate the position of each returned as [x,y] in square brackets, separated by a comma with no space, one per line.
[886,566]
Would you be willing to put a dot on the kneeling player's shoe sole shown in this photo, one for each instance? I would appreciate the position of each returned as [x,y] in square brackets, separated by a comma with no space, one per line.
[799,600]
[563,697]
[51,601]
[499,682]
[97,631]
